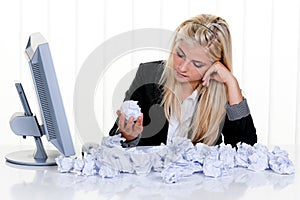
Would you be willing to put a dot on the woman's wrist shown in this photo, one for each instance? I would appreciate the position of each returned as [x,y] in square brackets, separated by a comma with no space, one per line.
[131,143]
[129,137]
[234,93]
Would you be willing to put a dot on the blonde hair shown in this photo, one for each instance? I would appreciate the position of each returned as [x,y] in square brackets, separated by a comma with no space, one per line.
[211,32]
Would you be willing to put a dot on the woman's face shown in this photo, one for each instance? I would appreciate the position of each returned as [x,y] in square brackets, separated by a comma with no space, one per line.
[190,63]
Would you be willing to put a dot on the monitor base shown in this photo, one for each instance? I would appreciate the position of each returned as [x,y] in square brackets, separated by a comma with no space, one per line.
[26,157]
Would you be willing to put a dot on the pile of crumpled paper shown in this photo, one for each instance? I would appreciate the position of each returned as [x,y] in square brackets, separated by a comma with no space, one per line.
[179,159]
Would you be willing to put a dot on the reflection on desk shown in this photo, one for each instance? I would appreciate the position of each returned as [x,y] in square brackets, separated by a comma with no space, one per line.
[47,183]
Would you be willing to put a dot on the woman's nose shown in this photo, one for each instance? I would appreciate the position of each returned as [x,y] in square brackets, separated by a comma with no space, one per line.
[184,65]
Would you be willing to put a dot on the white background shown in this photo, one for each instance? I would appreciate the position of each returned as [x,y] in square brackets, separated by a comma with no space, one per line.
[265,53]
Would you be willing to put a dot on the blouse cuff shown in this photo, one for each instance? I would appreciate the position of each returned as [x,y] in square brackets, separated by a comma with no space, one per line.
[131,143]
[237,111]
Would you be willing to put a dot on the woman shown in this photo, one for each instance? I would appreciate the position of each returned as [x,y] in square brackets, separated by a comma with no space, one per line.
[193,94]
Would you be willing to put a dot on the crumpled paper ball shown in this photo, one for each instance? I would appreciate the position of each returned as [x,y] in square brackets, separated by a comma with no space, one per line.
[131,109]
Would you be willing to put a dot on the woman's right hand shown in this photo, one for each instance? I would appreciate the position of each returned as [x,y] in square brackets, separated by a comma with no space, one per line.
[131,129]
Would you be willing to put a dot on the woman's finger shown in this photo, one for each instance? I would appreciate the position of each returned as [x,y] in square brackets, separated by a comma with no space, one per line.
[138,126]
[130,123]
[121,122]
[208,73]
[118,112]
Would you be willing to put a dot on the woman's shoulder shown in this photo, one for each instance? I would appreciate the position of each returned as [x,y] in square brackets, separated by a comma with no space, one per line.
[152,71]
[153,65]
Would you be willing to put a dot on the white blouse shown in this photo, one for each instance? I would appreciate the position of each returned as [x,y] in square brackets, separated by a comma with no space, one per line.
[177,129]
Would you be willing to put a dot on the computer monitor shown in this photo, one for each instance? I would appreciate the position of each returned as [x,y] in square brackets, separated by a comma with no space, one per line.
[53,122]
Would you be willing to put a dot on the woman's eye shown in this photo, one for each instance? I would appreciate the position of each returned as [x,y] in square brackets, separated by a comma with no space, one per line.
[198,65]
[180,54]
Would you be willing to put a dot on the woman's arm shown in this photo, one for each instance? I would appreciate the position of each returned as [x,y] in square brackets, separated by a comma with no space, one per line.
[220,73]
[131,130]
[238,126]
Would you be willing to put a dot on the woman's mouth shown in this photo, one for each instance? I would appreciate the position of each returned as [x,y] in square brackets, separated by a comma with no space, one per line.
[180,75]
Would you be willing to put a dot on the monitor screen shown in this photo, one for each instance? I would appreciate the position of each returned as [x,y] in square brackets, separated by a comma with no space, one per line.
[53,122]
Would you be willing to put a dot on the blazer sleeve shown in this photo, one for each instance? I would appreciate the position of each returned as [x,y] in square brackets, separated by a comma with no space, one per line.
[142,89]
[239,126]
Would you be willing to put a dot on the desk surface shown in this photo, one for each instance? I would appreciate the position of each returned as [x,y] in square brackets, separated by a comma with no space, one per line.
[19,182]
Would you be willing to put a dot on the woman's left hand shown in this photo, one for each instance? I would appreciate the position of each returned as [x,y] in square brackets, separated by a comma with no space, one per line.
[219,73]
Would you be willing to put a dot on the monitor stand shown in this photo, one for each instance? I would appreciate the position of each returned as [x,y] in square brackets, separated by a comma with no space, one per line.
[25,125]
[26,157]
[38,157]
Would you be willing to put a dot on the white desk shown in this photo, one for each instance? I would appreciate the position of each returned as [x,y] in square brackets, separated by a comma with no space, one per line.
[18,182]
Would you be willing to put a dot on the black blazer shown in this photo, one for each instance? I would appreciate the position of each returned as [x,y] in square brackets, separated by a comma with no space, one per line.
[146,90]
